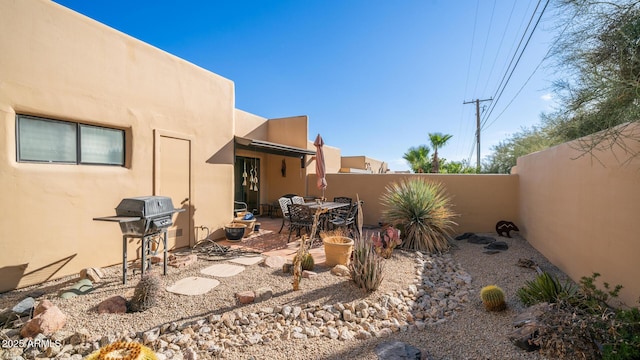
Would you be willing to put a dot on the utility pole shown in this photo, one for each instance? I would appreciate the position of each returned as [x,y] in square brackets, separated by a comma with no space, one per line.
[477,101]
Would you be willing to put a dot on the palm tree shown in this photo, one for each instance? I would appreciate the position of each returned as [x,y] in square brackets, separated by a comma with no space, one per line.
[418,158]
[437,140]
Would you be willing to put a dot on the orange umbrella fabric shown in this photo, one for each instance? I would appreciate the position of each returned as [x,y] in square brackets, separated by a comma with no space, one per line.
[320,167]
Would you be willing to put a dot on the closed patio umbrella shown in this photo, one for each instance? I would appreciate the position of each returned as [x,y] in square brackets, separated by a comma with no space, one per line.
[320,167]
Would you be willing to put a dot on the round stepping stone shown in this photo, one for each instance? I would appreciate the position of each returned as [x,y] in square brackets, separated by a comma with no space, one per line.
[193,285]
[222,270]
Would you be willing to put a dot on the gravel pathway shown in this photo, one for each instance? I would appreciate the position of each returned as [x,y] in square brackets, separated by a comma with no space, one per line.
[430,302]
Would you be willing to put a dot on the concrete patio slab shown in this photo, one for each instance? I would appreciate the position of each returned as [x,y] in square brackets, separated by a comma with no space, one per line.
[193,285]
[248,260]
[222,270]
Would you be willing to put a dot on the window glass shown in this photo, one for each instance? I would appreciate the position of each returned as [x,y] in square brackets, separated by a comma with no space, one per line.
[46,140]
[100,145]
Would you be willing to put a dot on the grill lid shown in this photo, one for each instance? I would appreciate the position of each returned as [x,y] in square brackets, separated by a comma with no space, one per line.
[146,207]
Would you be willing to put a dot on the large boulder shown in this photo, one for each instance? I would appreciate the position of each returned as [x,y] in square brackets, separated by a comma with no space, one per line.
[47,319]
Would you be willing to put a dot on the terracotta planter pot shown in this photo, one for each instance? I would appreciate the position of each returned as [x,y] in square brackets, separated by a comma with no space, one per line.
[337,250]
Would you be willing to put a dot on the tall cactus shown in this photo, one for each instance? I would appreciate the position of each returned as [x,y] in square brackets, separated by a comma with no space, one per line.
[493,298]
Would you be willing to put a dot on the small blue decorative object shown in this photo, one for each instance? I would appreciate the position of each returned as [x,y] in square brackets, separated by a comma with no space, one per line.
[248,216]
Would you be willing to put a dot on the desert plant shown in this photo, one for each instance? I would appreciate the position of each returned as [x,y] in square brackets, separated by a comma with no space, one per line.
[493,298]
[123,351]
[366,266]
[146,293]
[592,299]
[386,240]
[422,210]
[545,288]
[625,331]
[307,262]
[566,332]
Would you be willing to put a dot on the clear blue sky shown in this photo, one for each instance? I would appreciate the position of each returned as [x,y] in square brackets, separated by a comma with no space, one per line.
[374,76]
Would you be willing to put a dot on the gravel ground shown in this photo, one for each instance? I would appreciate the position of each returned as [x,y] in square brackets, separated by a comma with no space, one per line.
[471,333]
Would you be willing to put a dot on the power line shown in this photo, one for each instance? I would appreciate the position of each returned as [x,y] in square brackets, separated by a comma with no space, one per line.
[508,74]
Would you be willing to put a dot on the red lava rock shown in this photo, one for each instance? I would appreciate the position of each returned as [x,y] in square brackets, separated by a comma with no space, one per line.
[113,305]
[246,297]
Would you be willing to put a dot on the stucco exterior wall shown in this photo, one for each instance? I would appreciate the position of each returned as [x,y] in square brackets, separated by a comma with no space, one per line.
[480,200]
[364,163]
[58,64]
[582,214]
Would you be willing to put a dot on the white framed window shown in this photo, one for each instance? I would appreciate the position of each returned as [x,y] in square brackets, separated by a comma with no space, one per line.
[54,141]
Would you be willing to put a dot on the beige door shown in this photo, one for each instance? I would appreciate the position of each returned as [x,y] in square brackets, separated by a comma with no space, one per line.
[172,178]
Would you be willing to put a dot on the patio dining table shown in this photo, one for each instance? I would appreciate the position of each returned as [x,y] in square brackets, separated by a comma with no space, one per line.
[329,207]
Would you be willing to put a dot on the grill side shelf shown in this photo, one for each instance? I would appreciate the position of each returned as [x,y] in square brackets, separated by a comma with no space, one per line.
[119,219]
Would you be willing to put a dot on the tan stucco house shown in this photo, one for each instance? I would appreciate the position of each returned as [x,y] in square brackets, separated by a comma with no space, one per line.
[90,116]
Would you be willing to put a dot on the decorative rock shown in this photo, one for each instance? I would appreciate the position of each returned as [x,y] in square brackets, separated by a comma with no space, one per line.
[22,308]
[246,297]
[79,337]
[308,274]
[331,332]
[340,270]
[345,334]
[82,287]
[275,262]
[182,261]
[189,354]
[526,324]
[263,294]
[397,350]
[477,239]
[497,245]
[522,336]
[347,315]
[47,319]
[92,274]
[464,236]
[113,305]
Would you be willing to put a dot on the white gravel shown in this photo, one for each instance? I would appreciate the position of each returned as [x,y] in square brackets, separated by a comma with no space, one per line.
[469,332]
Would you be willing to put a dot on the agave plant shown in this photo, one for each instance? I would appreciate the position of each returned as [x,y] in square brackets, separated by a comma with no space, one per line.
[422,210]
[545,288]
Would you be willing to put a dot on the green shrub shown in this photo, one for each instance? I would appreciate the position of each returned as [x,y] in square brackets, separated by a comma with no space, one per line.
[422,210]
[625,344]
[545,288]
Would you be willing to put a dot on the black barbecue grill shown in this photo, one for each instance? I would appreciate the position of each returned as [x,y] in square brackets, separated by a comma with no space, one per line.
[144,217]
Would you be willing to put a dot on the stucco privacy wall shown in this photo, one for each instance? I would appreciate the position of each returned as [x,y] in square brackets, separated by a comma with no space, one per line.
[480,200]
[59,64]
[582,214]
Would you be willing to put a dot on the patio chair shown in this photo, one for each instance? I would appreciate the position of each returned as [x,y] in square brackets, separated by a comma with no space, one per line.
[284,203]
[346,220]
[343,199]
[300,217]
[297,199]
[239,206]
